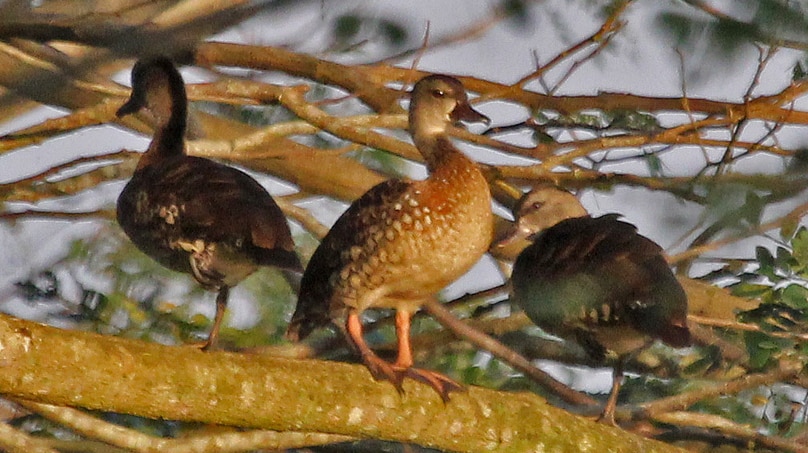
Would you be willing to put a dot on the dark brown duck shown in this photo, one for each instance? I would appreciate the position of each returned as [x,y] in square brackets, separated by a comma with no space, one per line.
[595,281]
[403,241]
[191,214]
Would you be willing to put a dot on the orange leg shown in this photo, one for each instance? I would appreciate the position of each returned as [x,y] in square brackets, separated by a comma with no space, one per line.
[395,373]
[441,383]
[404,359]
[379,369]
[607,417]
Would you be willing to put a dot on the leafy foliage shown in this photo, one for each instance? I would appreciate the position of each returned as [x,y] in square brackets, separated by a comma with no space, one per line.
[146,301]
[780,281]
[732,30]
[347,30]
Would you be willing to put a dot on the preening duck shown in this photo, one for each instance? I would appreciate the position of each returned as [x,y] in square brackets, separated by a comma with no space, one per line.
[594,281]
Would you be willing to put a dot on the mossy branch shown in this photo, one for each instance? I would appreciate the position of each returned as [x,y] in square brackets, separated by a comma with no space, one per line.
[105,373]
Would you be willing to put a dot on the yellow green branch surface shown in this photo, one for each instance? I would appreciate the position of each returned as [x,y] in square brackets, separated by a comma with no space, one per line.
[92,371]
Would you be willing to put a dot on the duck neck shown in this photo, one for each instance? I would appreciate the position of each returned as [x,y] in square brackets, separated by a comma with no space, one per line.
[436,149]
[169,138]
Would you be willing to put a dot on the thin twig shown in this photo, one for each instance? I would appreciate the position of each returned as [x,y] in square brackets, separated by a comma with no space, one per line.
[686,104]
[506,354]
[609,27]
[51,171]
[465,35]
[59,215]
[232,441]
[685,400]
[693,252]
[303,216]
[764,56]
[601,41]
[13,440]
[735,325]
[731,429]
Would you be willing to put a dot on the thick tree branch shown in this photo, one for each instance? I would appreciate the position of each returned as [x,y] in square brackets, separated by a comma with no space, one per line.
[80,369]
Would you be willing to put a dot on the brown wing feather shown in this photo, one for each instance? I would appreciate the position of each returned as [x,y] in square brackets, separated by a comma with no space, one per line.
[351,229]
[189,198]
[584,264]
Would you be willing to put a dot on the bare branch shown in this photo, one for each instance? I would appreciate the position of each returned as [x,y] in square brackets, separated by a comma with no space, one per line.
[751,436]
[230,441]
[509,356]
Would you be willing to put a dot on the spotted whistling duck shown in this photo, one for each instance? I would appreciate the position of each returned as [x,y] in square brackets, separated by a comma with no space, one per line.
[594,281]
[403,241]
[191,214]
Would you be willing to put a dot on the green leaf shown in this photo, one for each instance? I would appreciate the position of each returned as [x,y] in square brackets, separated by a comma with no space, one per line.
[780,17]
[799,162]
[763,348]
[795,296]
[767,344]
[346,27]
[752,209]
[654,164]
[765,258]
[784,260]
[592,120]
[517,12]
[542,137]
[799,247]
[749,290]
[797,72]
[758,357]
[394,33]
[710,356]
[634,120]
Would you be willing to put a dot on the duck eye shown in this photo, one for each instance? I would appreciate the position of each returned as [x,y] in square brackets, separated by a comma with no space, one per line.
[438,93]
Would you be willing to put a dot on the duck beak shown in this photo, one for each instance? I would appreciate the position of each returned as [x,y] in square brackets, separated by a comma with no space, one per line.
[131,106]
[464,112]
[510,243]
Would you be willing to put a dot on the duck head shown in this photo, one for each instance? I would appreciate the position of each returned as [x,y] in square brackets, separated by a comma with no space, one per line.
[158,87]
[536,211]
[438,102]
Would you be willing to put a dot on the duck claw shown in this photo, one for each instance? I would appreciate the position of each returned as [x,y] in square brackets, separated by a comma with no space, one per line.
[395,374]
[440,382]
[383,371]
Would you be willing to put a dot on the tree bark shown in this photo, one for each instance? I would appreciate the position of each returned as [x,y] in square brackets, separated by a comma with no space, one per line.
[92,371]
